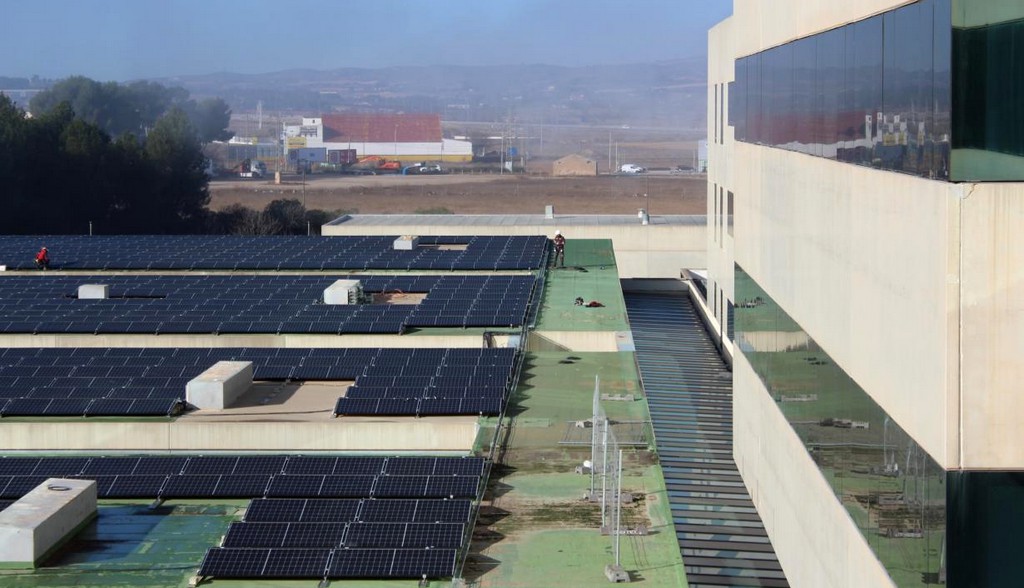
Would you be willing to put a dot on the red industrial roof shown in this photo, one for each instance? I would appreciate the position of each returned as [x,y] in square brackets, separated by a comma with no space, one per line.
[382,128]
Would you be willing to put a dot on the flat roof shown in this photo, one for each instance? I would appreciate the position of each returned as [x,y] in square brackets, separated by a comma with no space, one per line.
[532,512]
[385,220]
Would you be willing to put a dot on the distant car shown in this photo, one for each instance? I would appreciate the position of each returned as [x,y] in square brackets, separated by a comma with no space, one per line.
[429,169]
[631,168]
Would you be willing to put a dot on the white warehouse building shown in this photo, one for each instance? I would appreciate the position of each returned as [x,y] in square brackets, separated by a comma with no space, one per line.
[399,137]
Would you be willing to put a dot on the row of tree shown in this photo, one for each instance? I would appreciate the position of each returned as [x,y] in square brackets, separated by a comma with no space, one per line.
[135,107]
[122,159]
[60,172]
[280,217]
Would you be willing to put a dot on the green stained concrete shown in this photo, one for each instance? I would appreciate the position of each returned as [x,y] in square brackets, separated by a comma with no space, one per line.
[551,537]
[130,545]
[589,273]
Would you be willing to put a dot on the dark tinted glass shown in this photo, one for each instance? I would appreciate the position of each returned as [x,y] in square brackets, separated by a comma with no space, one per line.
[874,92]
[893,490]
[988,90]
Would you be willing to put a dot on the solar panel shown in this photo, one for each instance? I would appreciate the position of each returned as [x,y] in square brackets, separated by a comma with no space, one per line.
[268,510]
[300,486]
[242,486]
[211,465]
[433,535]
[452,486]
[129,486]
[252,464]
[443,511]
[234,563]
[57,467]
[400,486]
[159,465]
[375,535]
[416,563]
[330,511]
[20,485]
[359,466]
[461,466]
[346,486]
[248,304]
[310,465]
[410,466]
[314,535]
[190,486]
[255,535]
[297,563]
[362,563]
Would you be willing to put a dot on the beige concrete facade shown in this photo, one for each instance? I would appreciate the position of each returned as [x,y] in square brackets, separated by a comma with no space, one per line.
[198,435]
[910,285]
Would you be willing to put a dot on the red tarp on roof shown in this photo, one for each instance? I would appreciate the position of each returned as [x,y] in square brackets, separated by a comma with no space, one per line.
[382,128]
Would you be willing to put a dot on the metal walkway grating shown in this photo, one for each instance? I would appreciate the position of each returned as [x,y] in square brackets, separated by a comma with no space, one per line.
[689,391]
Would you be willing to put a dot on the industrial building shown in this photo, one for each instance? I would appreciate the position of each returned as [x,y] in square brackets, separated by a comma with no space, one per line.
[342,138]
[864,207]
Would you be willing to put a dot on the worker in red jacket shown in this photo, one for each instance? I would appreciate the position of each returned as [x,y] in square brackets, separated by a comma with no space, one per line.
[559,249]
[43,259]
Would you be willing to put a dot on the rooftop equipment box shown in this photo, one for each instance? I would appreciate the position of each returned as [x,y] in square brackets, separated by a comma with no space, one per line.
[407,243]
[344,292]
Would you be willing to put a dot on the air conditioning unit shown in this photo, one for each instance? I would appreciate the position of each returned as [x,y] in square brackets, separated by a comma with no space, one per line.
[344,292]
[406,243]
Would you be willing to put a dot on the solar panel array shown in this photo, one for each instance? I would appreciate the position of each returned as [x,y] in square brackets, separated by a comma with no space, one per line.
[466,382]
[423,536]
[251,476]
[162,252]
[255,304]
[92,381]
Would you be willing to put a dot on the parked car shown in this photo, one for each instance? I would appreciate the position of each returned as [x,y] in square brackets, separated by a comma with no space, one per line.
[631,168]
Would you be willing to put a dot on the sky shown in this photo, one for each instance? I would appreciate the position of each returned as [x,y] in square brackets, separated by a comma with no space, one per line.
[131,39]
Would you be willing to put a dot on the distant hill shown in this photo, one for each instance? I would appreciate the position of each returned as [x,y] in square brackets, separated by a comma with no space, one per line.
[663,94]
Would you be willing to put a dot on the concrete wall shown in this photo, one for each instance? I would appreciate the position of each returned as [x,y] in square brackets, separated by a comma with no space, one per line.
[651,251]
[455,434]
[471,340]
[992,317]
[760,24]
[573,341]
[814,538]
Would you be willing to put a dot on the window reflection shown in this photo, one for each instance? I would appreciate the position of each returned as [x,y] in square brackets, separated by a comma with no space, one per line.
[875,92]
[894,491]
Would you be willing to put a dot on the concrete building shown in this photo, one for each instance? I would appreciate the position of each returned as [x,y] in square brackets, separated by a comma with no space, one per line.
[401,137]
[864,205]
[574,165]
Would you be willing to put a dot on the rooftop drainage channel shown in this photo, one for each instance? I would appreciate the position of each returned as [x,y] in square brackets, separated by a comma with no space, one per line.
[689,391]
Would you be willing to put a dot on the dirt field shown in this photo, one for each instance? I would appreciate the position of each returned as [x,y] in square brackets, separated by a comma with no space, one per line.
[474,194]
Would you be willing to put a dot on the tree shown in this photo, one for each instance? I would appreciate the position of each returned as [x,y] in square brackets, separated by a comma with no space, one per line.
[289,214]
[180,195]
[211,118]
[133,108]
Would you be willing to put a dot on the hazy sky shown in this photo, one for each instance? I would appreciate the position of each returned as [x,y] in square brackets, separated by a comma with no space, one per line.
[129,39]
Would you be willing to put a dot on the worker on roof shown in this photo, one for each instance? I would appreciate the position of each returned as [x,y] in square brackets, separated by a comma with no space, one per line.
[559,249]
[43,259]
